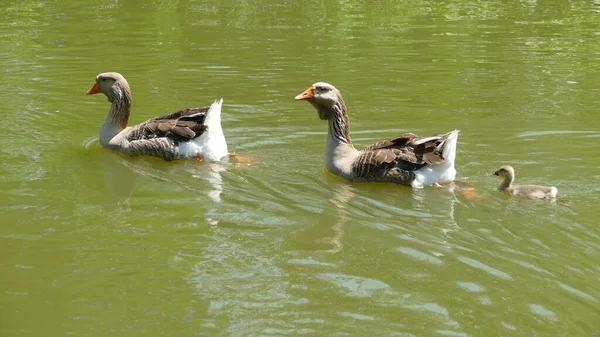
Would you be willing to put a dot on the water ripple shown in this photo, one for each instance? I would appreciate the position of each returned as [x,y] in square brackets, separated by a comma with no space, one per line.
[419,255]
[478,265]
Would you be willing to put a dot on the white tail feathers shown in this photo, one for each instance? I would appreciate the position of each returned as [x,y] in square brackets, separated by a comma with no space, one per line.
[553,192]
[443,172]
[211,144]
[449,146]
[213,116]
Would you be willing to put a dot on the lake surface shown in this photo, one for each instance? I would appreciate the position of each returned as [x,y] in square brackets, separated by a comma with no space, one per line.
[96,244]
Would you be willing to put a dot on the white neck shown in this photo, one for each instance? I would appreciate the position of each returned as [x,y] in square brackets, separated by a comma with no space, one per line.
[109,129]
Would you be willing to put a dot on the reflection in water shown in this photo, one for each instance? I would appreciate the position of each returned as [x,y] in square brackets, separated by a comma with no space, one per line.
[121,174]
[341,197]
[210,172]
[440,202]
[119,179]
[216,182]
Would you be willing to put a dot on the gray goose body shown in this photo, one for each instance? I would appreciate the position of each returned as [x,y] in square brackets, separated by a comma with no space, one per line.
[405,159]
[507,172]
[164,137]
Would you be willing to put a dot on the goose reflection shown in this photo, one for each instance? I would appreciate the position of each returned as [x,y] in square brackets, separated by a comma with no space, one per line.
[440,206]
[121,175]
[343,194]
[119,180]
[212,173]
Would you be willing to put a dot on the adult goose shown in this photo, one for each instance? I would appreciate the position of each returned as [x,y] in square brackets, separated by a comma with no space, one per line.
[188,133]
[527,191]
[405,159]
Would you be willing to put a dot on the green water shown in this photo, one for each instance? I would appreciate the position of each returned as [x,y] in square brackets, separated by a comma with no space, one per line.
[95,244]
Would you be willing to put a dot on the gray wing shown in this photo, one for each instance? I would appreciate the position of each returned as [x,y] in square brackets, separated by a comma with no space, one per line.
[163,147]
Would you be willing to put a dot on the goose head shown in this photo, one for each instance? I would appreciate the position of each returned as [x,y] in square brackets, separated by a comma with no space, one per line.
[323,96]
[111,84]
[505,171]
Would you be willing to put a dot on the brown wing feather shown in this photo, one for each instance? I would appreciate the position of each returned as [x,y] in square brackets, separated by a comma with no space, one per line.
[179,126]
[370,161]
[399,141]
[185,114]
[411,150]
[397,158]
[385,164]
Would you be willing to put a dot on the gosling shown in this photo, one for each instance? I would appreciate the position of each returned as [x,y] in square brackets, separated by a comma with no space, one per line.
[526,191]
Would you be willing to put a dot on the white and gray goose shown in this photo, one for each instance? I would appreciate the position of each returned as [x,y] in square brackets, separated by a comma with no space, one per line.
[405,159]
[187,133]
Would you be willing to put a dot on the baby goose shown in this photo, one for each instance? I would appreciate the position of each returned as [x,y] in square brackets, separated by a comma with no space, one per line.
[527,191]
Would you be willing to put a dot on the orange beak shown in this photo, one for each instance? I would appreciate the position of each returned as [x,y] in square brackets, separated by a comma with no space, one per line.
[94,89]
[307,95]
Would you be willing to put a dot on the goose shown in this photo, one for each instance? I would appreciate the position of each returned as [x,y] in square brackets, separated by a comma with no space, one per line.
[527,191]
[188,133]
[405,159]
